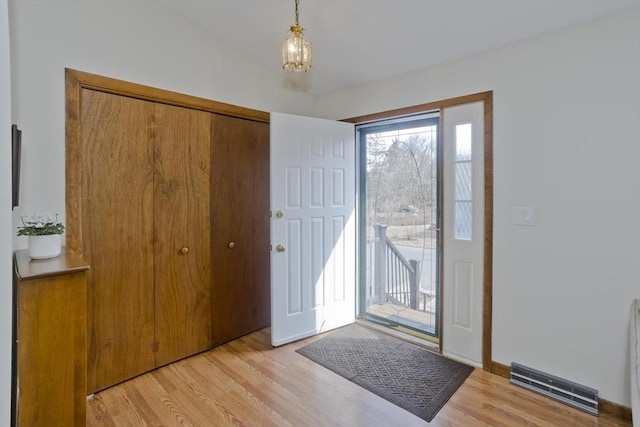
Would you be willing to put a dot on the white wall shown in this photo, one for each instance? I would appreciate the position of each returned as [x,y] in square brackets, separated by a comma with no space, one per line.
[566,142]
[6,230]
[566,129]
[138,41]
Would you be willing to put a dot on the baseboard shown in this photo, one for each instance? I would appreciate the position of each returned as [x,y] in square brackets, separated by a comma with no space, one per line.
[605,407]
[500,369]
[615,410]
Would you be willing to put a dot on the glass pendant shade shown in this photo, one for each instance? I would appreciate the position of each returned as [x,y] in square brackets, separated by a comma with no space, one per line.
[296,51]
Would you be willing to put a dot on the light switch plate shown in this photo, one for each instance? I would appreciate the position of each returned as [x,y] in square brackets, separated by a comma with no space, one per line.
[523,215]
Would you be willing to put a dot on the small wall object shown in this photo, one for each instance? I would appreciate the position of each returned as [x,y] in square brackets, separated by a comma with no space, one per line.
[16,152]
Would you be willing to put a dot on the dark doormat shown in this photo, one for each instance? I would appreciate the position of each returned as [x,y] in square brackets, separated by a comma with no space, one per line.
[411,377]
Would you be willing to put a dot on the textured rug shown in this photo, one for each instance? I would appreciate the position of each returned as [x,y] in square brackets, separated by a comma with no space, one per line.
[411,377]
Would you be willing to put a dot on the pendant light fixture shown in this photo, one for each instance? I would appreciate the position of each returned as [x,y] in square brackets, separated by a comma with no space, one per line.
[296,51]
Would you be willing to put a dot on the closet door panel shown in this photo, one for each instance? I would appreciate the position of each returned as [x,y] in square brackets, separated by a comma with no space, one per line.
[117,235]
[240,227]
[182,223]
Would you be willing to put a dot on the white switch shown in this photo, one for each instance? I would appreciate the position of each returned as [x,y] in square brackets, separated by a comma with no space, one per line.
[523,215]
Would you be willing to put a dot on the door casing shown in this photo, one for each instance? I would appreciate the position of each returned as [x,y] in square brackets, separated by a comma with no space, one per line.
[487,276]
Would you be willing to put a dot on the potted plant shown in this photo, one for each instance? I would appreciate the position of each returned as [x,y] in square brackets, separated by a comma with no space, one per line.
[44,235]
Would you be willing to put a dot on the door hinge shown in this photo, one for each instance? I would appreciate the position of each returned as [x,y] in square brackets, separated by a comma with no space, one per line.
[155,346]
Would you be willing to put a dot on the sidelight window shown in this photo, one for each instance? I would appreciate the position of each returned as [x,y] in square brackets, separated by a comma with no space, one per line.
[463,204]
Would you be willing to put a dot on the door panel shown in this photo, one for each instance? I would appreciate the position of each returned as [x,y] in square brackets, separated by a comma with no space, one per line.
[239,227]
[463,231]
[117,236]
[313,226]
[182,250]
[399,223]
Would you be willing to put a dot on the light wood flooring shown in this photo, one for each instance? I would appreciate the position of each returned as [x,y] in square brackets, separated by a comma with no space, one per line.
[249,383]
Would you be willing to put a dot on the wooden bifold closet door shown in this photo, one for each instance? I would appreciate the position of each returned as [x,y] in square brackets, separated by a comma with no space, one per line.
[182,246]
[146,234]
[117,236]
[240,227]
[168,202]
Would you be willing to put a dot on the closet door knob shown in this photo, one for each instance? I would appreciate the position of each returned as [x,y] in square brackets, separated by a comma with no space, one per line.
[232,245]
[184,250]
[280,248]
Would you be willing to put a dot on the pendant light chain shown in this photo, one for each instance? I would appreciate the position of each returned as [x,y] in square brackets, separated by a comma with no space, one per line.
[297,15]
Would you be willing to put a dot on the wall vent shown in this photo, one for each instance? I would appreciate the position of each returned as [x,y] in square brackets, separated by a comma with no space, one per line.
[565,391]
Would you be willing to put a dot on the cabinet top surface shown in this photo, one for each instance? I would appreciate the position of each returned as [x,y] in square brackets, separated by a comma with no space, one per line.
[66,263]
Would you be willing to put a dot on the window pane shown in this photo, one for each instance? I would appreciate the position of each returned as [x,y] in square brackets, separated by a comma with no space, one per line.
[463,220]
[462,181]
[463,142]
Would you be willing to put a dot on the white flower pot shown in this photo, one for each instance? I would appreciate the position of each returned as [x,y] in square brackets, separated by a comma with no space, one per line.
[42,247]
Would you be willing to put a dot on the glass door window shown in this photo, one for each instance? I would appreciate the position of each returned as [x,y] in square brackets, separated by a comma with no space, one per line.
[399,223]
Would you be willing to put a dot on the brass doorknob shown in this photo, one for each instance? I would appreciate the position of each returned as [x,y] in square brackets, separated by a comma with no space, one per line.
[280,248]
[279,214]
[184,250]
[232,245]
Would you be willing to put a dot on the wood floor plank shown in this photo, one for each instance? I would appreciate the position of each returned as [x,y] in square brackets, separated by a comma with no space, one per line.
[247,382]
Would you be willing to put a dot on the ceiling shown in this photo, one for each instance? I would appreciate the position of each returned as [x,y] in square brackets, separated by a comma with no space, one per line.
[359,41]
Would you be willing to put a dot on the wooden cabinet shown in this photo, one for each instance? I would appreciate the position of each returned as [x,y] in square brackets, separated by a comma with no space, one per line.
[51,340]
[145,230]
[240,227]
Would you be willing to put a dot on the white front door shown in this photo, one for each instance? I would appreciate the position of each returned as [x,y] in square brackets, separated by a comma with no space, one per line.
[313,231]
[463,231]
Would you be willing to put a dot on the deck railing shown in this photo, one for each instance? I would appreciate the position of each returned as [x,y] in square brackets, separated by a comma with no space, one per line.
[395,279]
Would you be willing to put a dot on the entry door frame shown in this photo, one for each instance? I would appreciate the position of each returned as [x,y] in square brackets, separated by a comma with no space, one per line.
[487,279]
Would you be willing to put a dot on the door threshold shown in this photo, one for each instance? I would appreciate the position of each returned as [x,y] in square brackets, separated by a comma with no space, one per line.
[405,334]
